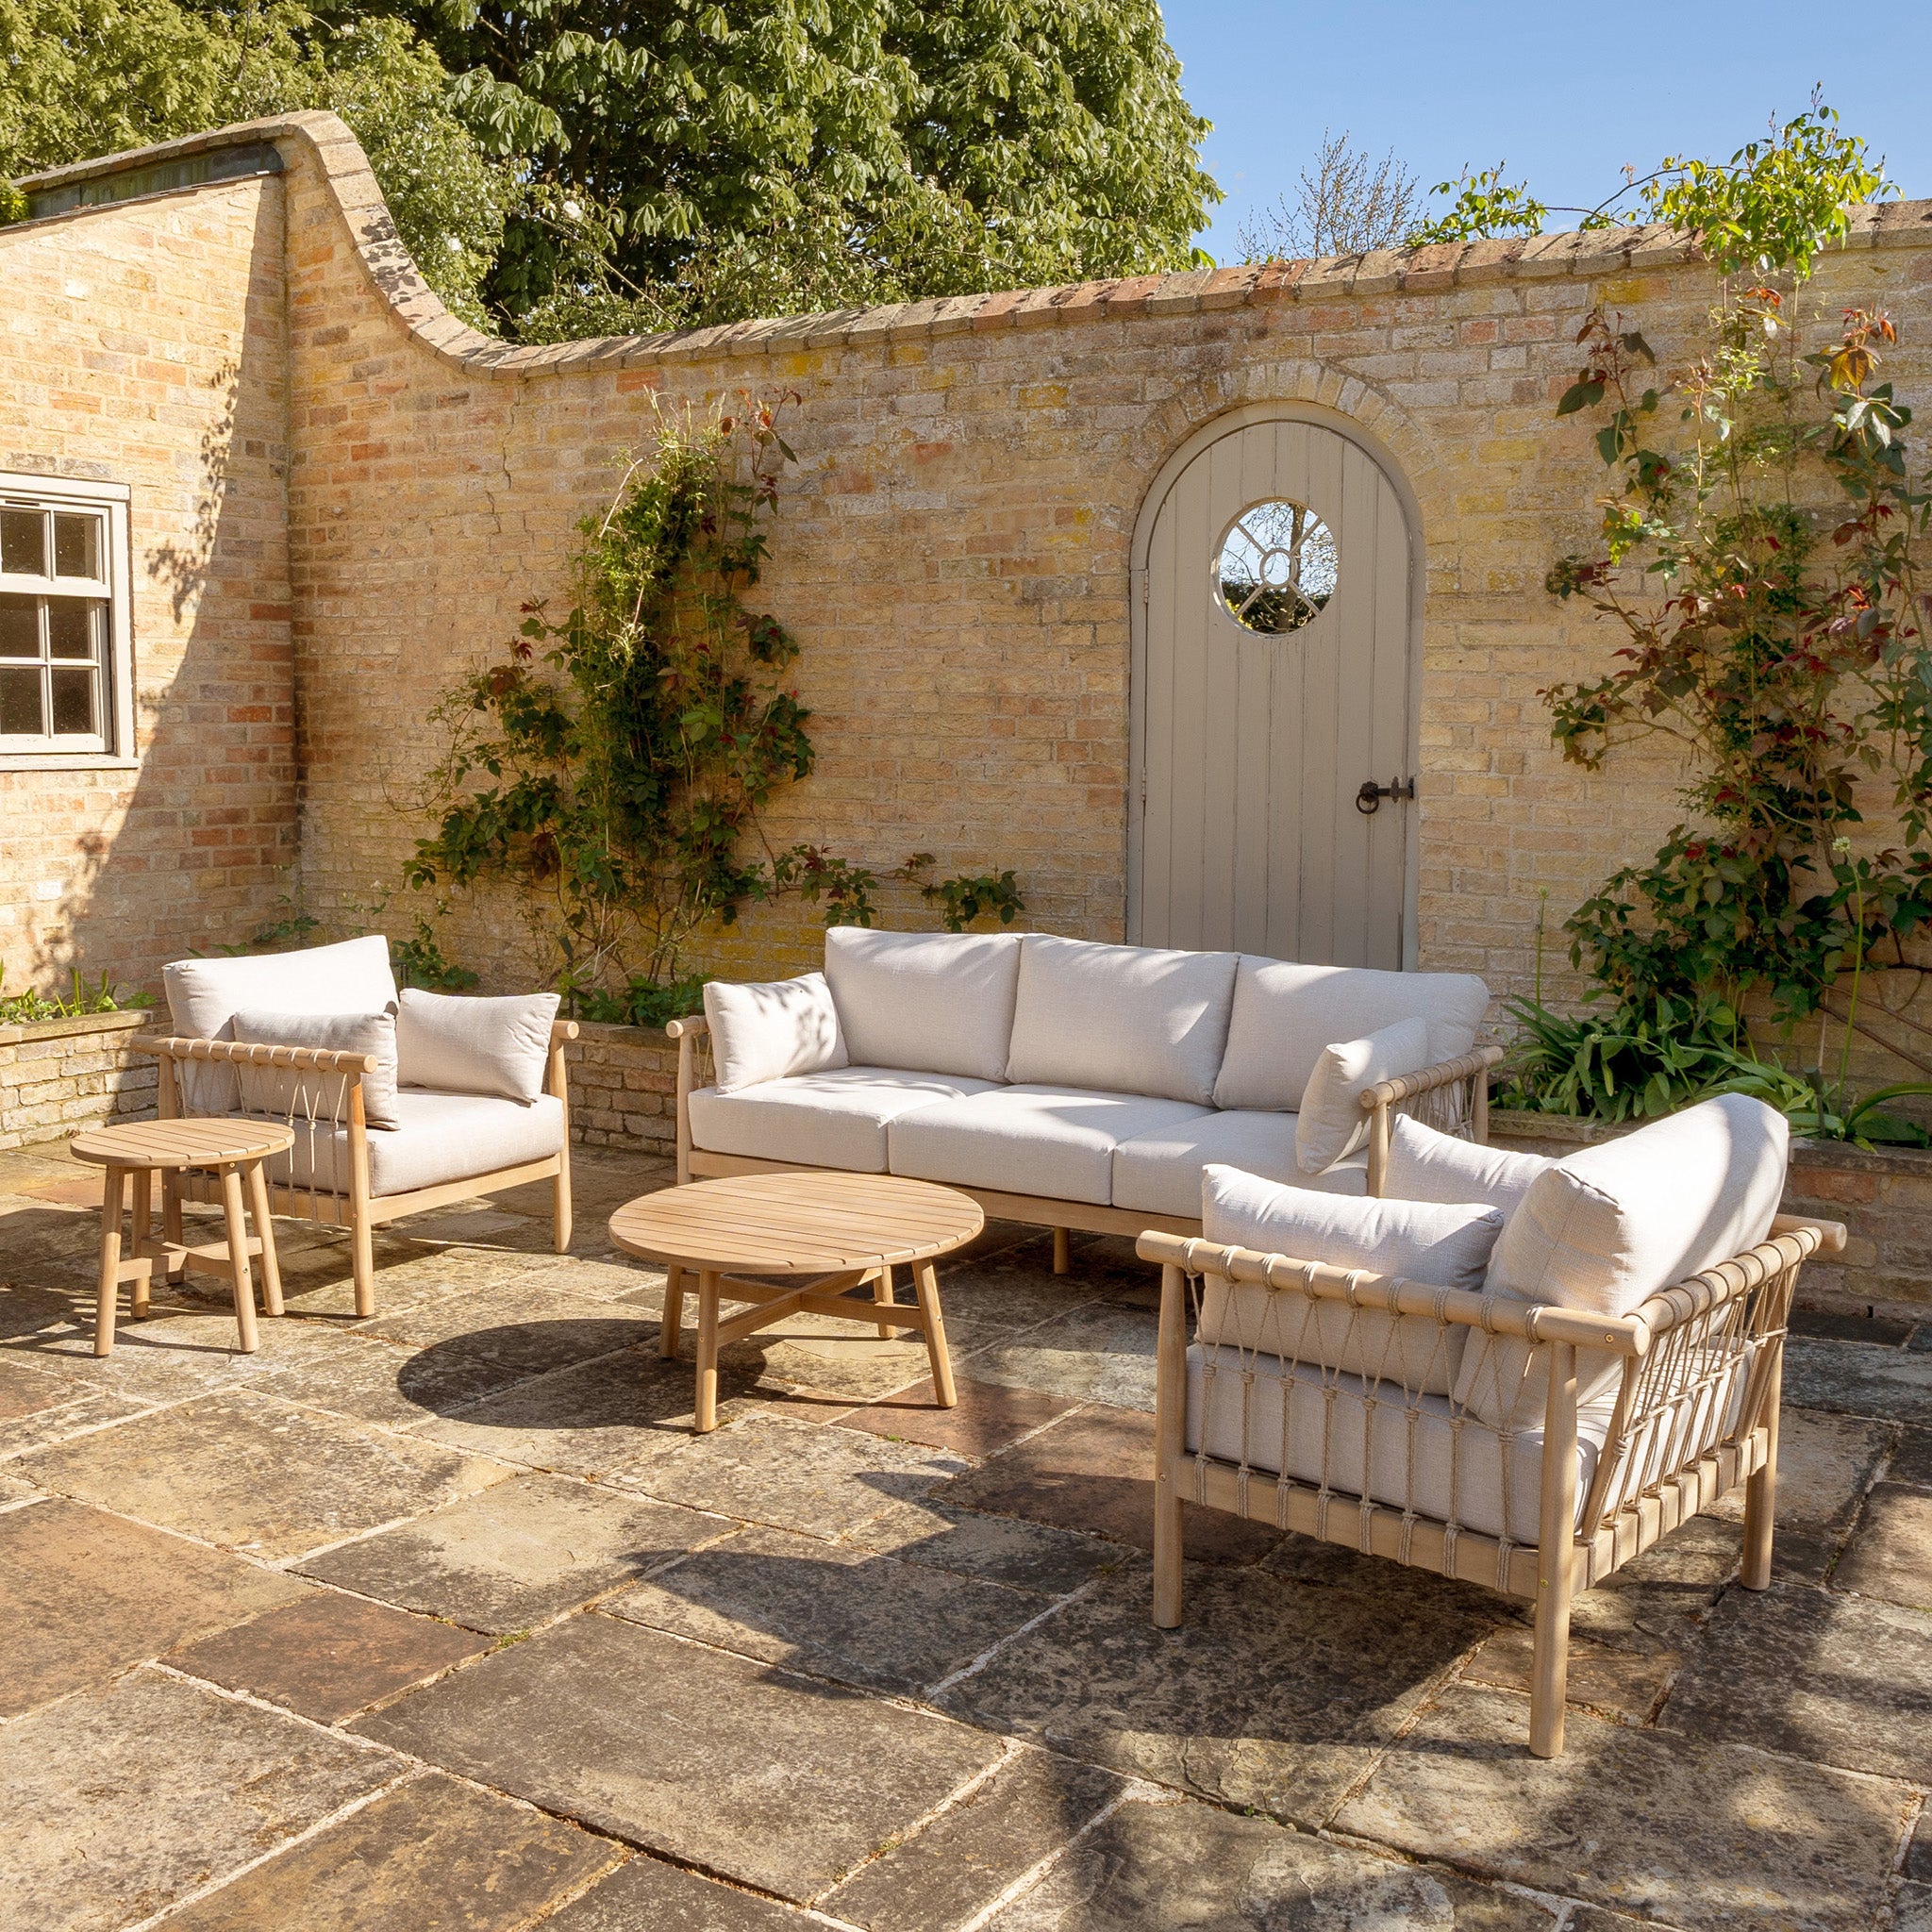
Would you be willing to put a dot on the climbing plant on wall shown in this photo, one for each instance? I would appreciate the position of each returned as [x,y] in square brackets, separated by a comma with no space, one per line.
[610,769]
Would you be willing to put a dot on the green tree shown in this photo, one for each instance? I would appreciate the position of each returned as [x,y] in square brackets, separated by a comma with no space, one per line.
[701,160]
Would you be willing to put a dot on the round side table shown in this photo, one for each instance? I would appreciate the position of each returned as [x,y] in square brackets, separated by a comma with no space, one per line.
[234,1149]
[841,1231]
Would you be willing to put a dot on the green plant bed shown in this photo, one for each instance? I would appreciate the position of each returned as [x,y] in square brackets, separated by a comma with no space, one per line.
[23,1008]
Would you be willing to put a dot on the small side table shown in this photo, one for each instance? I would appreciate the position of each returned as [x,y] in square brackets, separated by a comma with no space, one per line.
[830,1233]
[234,1149]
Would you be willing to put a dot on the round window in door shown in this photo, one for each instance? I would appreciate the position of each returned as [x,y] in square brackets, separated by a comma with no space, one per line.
[1277,566]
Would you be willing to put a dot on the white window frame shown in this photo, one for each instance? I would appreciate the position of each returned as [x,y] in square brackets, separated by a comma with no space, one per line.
[114,747]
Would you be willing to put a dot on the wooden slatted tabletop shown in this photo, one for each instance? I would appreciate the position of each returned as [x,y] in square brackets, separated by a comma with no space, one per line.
[797,1223]
[182,1142]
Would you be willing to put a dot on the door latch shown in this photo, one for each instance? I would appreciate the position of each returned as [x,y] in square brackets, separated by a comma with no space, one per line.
[1371,795]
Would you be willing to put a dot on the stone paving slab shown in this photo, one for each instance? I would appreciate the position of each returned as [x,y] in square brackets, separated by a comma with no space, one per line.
[1093,1472]
[1852,1378]
[434,1855]
[1032,1806]
[1272,1695]
[253,1473]
[1911,1460]
[998,1549]
[819,1481]
[1697,1835]
[84,1594]
[319,1277]
[327,1656]
[1913,1910]
[32,1227]
[86,1408]
[647,1896]
[747,1771]
[1890,1555]
[844,1614]
[178,1352]
[594,1418]
[990,1416]
[1103,1352]
[1824,1465]
[518,1554]
[126,1799]
[1158,1867]
[1834,1679]
[1013,1286]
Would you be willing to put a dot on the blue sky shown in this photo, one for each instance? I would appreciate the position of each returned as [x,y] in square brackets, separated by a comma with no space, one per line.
[1565,93]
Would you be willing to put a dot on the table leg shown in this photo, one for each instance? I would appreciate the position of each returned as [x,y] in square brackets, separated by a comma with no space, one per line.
[238,1258]
[882,1294]
[673,1313]
[708,1351]
[928,1284]
[171,1212]
[271,1264]
[113,1187]
[143,1208]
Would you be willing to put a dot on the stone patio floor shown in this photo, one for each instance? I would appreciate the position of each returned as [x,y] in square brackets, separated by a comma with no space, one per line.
[446,1619]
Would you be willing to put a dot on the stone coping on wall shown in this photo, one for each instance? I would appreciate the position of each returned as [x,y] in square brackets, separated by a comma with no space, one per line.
[1387,270]
[126,1021]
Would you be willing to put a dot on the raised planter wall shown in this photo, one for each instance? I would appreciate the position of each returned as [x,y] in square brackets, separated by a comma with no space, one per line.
[59,1076]
[624,1088]
[1884,1198]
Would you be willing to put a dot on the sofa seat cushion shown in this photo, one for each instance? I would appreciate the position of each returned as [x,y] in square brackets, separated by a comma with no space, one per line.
[1058,1142]
[1160,1172]
[1120,1019]
[1284,1015]
[442,1137]
[934,1001]
[1320,1430]
[833,1119]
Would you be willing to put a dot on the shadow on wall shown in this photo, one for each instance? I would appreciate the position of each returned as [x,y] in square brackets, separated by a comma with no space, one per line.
[193,855]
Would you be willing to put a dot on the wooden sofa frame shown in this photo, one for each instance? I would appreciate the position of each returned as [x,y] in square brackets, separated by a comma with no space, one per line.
[1454,1096]
[329,1099]
[1632,1501]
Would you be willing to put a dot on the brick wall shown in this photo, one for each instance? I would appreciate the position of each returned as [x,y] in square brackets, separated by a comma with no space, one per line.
[58,1076]
[144,344]
[953,549]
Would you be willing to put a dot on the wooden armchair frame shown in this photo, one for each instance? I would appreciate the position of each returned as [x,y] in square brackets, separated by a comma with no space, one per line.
[1453,1096]
[1640,1491]
[328,1100]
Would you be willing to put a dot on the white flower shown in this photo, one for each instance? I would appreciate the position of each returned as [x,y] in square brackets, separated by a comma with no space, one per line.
[455,246]
[573,210]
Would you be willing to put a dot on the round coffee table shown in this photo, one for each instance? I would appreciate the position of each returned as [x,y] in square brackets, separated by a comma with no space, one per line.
[235,1149]
[843,1232]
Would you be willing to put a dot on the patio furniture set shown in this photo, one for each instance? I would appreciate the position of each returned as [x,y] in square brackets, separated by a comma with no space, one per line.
[1374,1329]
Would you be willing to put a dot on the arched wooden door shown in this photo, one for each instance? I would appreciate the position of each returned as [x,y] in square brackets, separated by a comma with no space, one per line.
[1273,678]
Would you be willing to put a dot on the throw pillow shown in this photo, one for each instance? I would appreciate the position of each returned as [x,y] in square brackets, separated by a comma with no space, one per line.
[292,1092]
[1424,1165]
[466,1045]
[773,1030]
[1331,1124]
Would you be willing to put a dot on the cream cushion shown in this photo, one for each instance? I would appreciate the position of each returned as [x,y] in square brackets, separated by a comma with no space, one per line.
[1331,1122]
[1315,1427]
[1053,1141]
[1160,1172]
[442,1137]
[1286,1015]
[1424,1165]
[290,1091]
[204,995]
[1121,1019]
[1605,1228]
[772,1031]
[837,1118]
[1443,1246]
[937,1002]
[499,1046]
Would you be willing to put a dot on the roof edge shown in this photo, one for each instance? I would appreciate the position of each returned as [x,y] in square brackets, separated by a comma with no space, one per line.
[417,308]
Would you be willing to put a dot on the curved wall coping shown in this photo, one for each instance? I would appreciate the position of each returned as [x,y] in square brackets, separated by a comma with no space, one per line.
[346,175]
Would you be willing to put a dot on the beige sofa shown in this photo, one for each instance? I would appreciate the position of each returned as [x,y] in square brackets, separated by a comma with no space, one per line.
[1073,1085]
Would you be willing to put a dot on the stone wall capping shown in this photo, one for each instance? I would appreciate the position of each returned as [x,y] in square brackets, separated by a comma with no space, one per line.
[1179,294]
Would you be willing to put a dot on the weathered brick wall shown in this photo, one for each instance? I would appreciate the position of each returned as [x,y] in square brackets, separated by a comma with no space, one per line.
[59,1076]
[145,344]
[624,1088]
[953,549]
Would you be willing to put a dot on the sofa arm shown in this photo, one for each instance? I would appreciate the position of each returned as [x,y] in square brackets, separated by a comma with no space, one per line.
[312,1060]
[1454,1098]
[693,1036]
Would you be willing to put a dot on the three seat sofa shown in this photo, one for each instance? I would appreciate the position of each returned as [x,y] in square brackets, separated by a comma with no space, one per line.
[1073,1085]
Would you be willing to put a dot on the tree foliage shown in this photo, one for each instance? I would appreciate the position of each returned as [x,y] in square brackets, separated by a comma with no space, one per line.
[1351,204]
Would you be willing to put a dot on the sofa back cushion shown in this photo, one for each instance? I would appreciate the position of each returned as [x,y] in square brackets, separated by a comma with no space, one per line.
[1445,1246]
[1331,1122]
[771,1031]
[1424,1165]
[1605,1228]
[1285,1014]
[465,1044]
[204,996]
[931,1001]
[291,1092]
[1125,1019]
